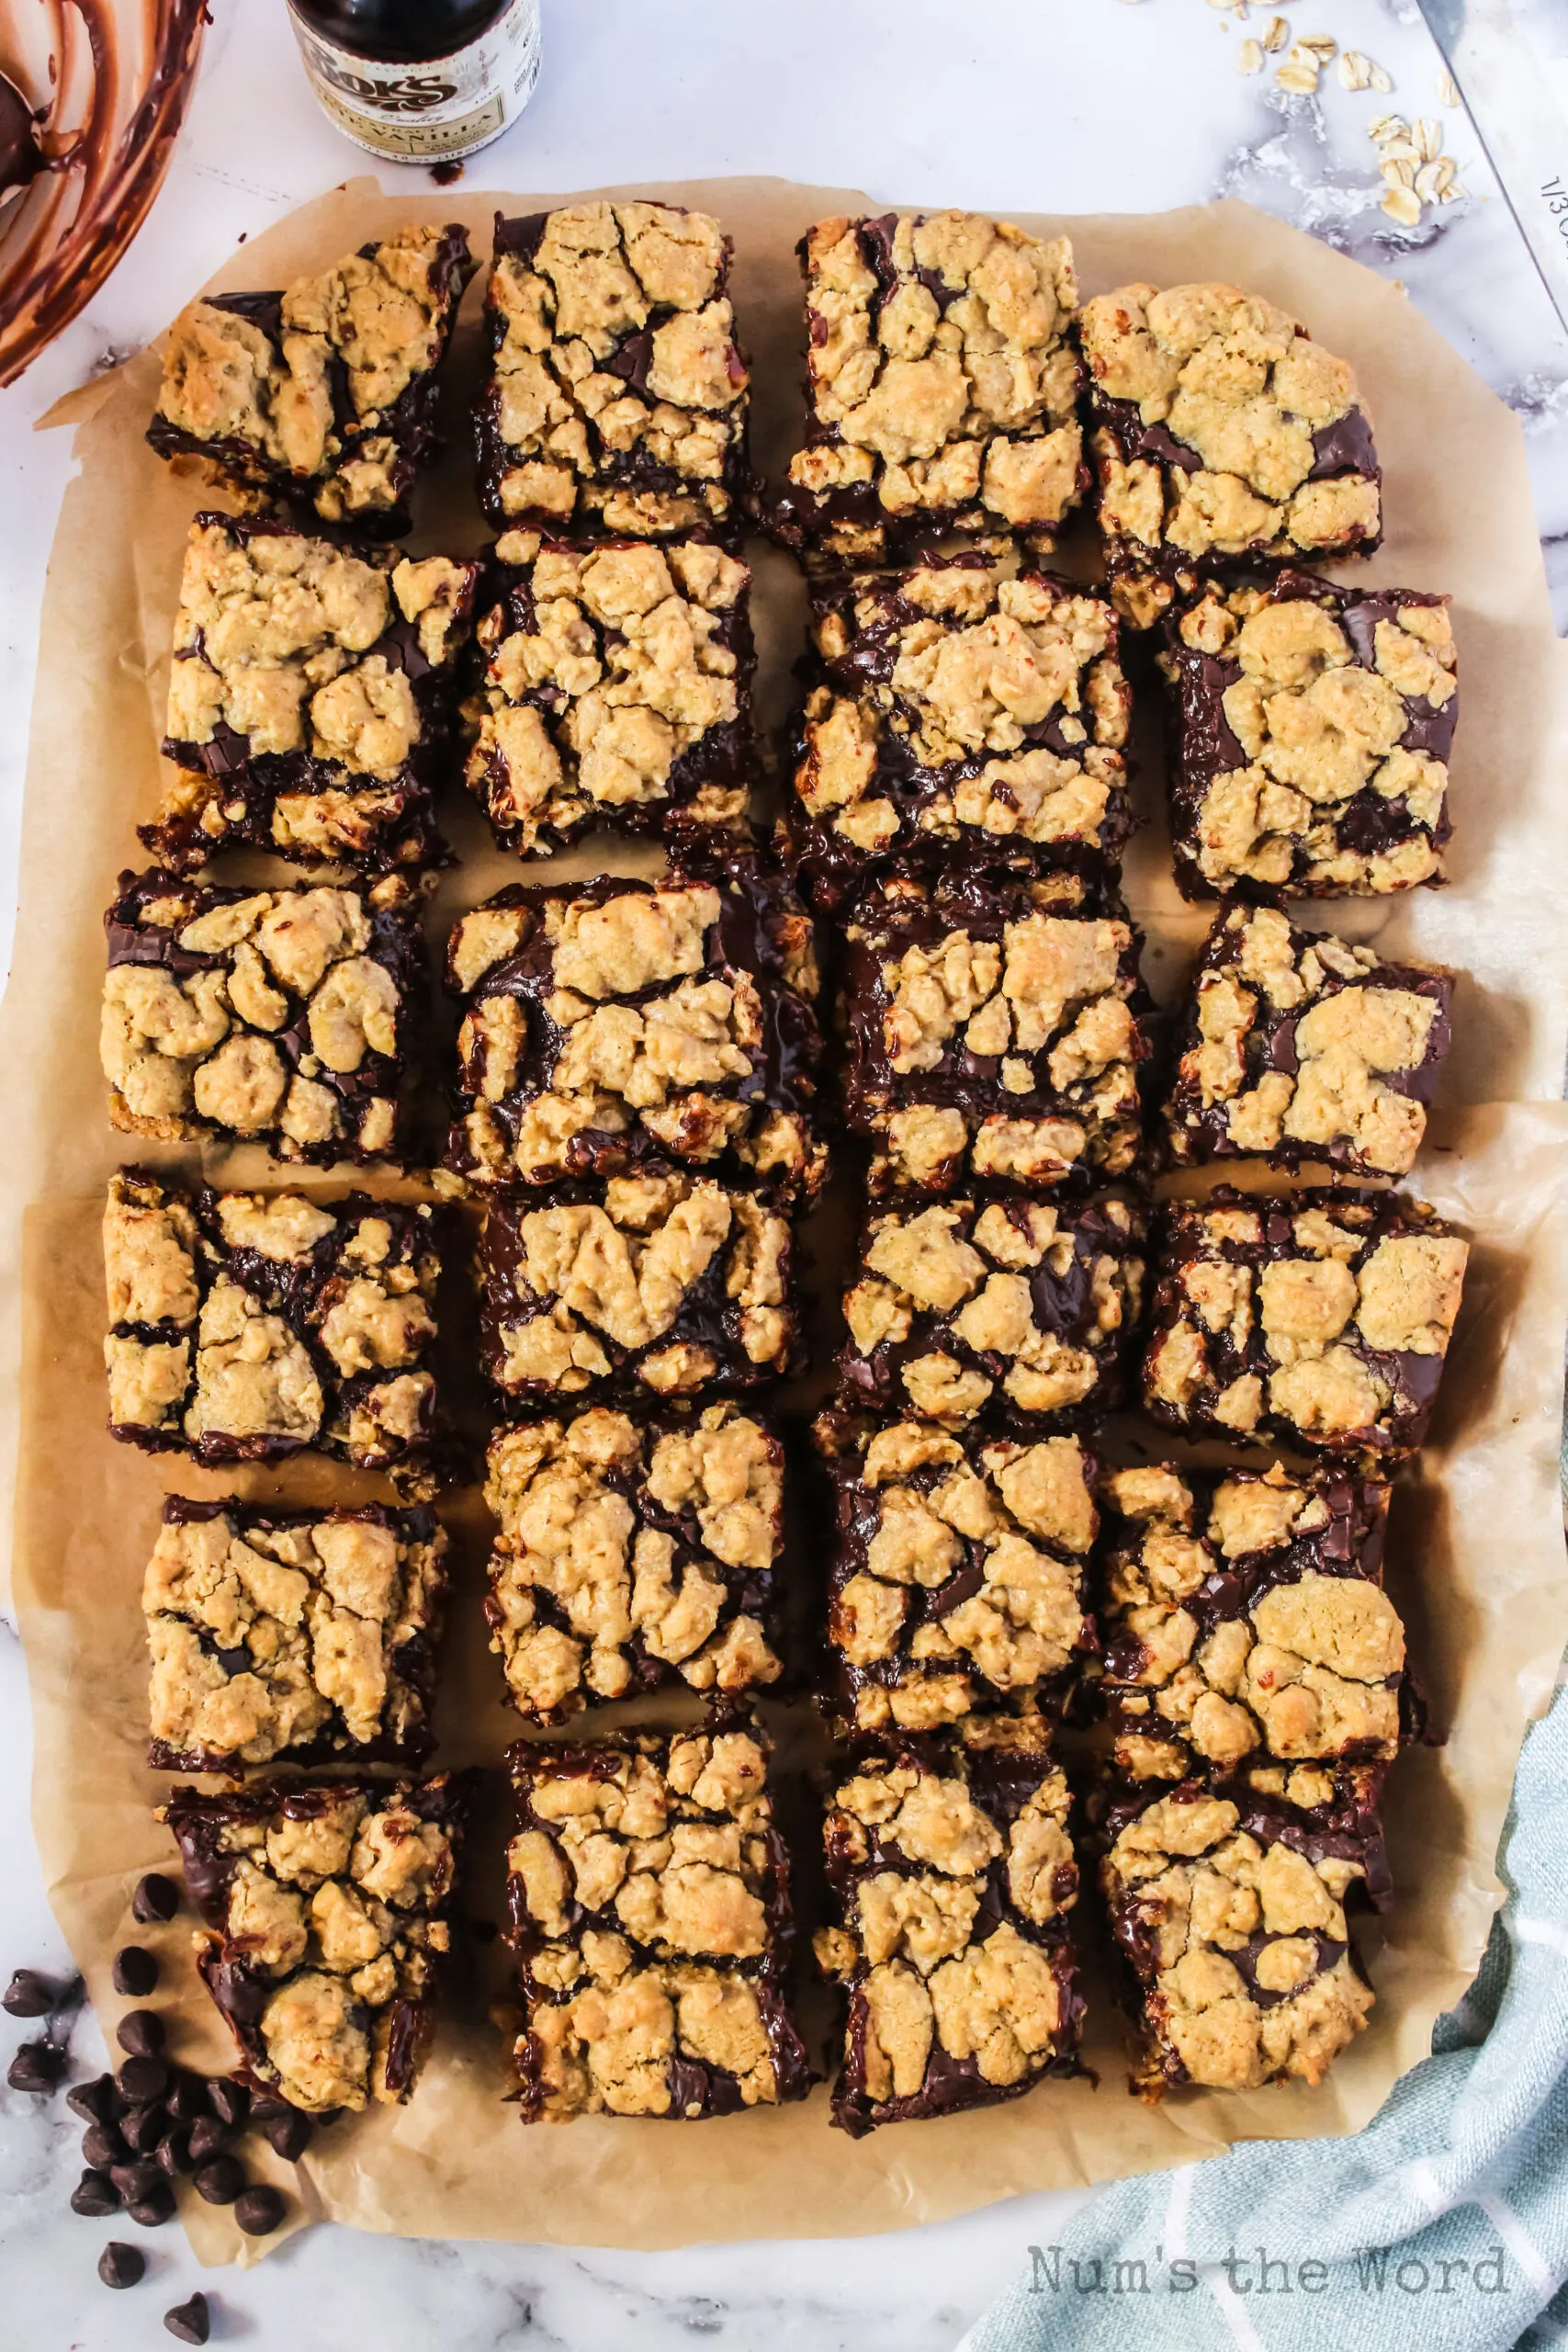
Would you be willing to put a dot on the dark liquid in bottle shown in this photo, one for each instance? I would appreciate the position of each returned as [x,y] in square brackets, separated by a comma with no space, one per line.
[399,32]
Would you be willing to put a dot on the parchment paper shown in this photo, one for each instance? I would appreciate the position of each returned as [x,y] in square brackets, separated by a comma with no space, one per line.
[1476,1547]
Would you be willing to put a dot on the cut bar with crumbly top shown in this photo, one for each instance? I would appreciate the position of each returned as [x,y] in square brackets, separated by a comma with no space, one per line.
[649,1896]
[652,1285]
[327,1903]
[634,1554]
[942,385]
[1310,732]
[610,1021]
[955,709]
[951,1873]
[1218,430]
[271,1016]
[309,698]
[618,394]
[245,1327]
[993,1030]
[997,1298]
[1244,1626]
[615,690]
[1296,1046]
[957,1585]
[304,1634]
[1318,1319]
[323,395]
[1230,1911]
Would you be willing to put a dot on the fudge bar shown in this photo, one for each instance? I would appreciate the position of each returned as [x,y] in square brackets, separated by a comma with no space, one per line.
[956,1582]
[1218,429]
[998,1296]
[632,1555]
[952,1874]
[273,1016]
[1317,1319]
[616,690]
[310,697]
[955,708]
[618,396]
[1229,1910]
[1310,730]
[608,1021]
[323,394]
[1295,1045]
[650,1892]
[993,1030]
[246,1326]
[1245,1623]
[327,1903]
[304,1634]
[653,1285]
[942,385]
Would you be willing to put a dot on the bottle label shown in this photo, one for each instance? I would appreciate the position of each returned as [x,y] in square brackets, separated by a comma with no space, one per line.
[444,108]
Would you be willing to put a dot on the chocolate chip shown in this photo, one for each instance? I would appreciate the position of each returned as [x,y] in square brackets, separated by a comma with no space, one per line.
[121,2264]
[157,1897]
[93,2196]
[187,2097]
[189,2321]
[102,2146]
[37,2067]
[229,2100]
[96,2101]
[289,2135]
[174,2151]
[140,2033]
[143,2127]
[138,2177]
[208,2137]
[141,2079]
[259,2210]
[135,1972]
[220,2179]
[150,2212]
[29,1995]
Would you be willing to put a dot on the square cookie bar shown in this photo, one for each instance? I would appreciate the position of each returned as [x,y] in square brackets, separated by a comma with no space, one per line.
[323,393]
[271,1016]
[997,1297]
[649,1895]
[302,1634]
[247,1326]
[992,1030]
[327,1903]
[942,385]
[310,697]
[618,395]
[654,1285]
[632,1555]
[1316,1319]
[1295,1045]
[1310,731]
[616,690]
[1229,1910]
[1218,429]
[610,1021]
[951,1873]
[1245,1625]
[959,708]
[956,1585]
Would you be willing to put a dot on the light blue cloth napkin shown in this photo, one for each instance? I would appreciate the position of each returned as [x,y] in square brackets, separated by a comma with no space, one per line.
[1441,2227]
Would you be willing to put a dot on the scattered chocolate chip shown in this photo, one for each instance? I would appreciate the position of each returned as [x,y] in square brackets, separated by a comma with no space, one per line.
[29,1995]
[150,2212]
[187,2097]
[137,2177]
[37,2067]
[96,2101]
[231,2100]
[143,2127]
[121,2264]
[140,2033]
[259,2210]
[135,1972]
[208,2138]
[157,1897]
[189,2321]
[93,2196]
[141,2079]
[289,2135]
[174,2151]
[102,2146]
[220,2179]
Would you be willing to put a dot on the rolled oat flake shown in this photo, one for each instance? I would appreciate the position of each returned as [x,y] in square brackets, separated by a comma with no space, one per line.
[420,81]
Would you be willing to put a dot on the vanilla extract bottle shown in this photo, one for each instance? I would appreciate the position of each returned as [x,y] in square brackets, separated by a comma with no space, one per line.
[420,81]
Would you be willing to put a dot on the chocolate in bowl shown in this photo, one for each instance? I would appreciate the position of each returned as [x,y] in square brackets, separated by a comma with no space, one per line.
[106,83]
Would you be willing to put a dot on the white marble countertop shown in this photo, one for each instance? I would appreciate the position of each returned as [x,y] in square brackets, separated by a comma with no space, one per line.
[1093,107]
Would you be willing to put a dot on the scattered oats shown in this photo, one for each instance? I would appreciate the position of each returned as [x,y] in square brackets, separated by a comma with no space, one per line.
[1278,34]
[1299,72]
[1250,58]
[1355,71]
[1219,4]
[1429,139]
[1433,178]
[1385,126]
[1382,79]
[1402,204]
[1448,88]
[1398,174]
[1399,150]
[1320,46]
[1452,193]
